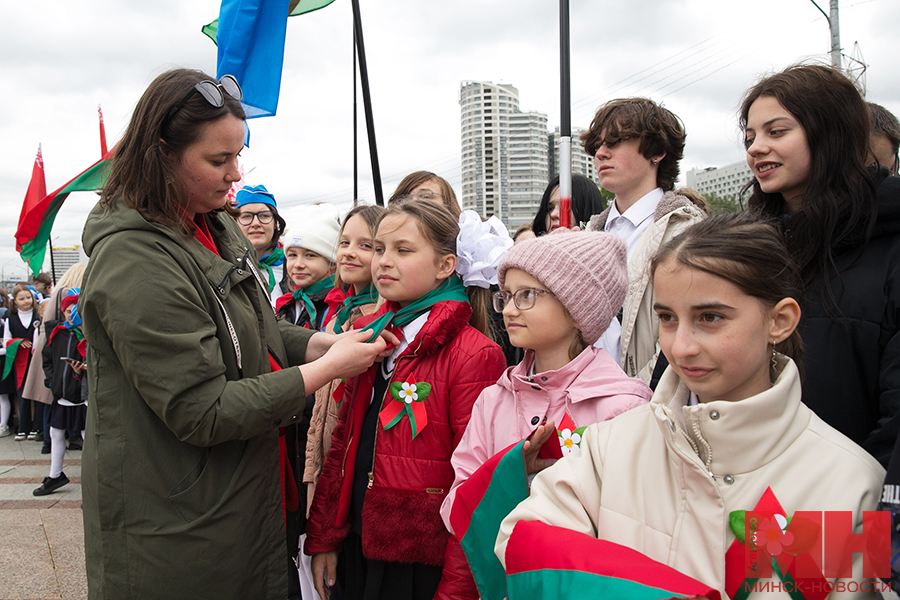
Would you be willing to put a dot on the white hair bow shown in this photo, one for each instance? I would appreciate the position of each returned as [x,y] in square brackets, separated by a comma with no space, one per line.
[480,246]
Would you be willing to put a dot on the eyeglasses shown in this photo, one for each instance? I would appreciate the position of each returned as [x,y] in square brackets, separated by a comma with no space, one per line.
[427,195]
[264,216]
[523,298]
[212,92]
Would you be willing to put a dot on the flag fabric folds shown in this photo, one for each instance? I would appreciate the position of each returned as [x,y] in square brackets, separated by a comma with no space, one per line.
[481,504]
[295,8]
[251,36]
[545,562]
[39,211]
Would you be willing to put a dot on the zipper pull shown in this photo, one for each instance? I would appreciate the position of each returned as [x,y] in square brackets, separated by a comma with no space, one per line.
[371,479]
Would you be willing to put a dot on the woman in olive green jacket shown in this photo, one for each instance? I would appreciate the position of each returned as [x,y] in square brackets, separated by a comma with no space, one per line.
[181,478]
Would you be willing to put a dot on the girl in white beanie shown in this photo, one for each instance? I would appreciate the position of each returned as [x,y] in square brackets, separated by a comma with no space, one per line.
[310,252]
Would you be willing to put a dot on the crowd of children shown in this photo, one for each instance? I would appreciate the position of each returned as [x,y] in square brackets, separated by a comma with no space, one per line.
[655,371]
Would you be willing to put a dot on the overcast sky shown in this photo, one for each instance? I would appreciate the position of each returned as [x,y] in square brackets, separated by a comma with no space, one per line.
[61,59]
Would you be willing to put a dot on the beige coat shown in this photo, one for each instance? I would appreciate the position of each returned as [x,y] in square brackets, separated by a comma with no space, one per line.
[643,478]
[324,418]
[34,384]
[640,325]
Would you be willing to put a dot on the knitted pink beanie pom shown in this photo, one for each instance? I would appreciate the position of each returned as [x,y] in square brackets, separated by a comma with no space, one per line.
[586,271]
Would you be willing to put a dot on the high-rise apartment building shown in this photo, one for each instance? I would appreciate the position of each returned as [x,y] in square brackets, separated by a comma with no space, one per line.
[64,258]
[504,153]
[582,164]
[724,181]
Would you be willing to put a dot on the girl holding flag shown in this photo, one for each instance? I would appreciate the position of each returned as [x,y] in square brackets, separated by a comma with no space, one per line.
[20,334]
[726,433]
[555,304]
[388,470]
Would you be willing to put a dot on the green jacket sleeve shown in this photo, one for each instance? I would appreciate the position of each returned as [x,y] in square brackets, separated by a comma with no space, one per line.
[152,315]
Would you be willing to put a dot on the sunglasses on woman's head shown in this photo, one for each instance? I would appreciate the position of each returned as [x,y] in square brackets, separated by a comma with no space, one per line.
[212,92]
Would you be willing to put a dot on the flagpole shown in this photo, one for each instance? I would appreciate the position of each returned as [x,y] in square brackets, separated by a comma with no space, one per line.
[52,262]
[367,102]
[355,129]
[565,129]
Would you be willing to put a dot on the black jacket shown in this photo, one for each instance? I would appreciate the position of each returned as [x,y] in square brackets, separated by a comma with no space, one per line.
[59,376]
[852,350]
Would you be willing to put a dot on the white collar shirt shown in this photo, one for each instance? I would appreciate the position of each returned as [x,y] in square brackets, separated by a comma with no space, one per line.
[632,224]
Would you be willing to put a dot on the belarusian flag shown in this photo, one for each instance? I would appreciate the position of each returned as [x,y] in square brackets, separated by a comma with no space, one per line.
[39,209]
[17,359]
[295,8]
[481,504]
[545,562]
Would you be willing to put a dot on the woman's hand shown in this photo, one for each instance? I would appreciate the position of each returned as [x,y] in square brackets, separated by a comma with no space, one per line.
[348,356]
[324,567]
[320,343]
[532,447]
[26,344]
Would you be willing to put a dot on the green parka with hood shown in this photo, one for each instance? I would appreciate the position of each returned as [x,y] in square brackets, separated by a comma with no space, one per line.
[181,484]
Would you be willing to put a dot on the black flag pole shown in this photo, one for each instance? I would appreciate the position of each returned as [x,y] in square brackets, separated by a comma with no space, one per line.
[565,129]
[355,131]
[367,102]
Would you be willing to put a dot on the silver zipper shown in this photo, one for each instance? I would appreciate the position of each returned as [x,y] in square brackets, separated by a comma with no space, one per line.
[234,338]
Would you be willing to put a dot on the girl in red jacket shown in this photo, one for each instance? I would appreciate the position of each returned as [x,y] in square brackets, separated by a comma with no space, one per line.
[388,469]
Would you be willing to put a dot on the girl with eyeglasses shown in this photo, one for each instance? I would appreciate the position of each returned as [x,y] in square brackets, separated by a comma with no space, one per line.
[256,212]
[190,374]
[555,304]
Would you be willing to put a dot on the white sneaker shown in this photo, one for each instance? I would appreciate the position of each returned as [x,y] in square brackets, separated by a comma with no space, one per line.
[4,431]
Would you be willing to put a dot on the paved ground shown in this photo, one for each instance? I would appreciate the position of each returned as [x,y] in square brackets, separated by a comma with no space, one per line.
[41,538]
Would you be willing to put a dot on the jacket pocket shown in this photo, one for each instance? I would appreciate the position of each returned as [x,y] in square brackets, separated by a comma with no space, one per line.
[206,486]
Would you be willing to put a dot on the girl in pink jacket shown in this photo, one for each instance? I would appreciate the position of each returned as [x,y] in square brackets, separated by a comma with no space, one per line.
[558,294]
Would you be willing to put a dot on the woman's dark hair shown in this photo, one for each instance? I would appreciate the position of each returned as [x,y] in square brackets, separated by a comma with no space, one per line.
[747,252]
[838,205]
[368,213]
[657,128]
[142,173]
[586,202]
[414,180]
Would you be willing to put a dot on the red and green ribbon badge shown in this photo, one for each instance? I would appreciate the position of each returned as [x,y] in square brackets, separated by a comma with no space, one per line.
[20,359]
[776,544]
[338,393]
[407,398]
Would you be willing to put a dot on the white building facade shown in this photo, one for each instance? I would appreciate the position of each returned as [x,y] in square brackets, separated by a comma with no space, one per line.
[504,153]
[724,181]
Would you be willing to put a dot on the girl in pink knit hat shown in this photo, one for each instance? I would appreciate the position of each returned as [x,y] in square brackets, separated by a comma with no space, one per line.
[558,294]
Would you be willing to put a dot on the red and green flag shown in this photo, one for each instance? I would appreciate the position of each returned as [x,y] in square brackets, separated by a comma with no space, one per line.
[296,7]
[481,504]
[39,209]
[17,358]
[545,562]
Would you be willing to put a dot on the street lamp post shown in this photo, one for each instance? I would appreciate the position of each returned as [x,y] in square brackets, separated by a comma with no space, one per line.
[834,27]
